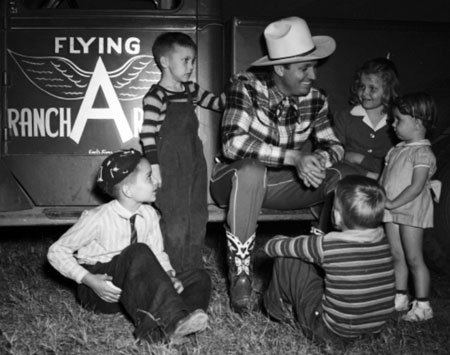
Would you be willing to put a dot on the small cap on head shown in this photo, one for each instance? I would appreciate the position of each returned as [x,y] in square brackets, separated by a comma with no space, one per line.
[289,41]
[117,167]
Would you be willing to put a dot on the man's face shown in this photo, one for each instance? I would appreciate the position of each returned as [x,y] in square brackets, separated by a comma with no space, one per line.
[296,79]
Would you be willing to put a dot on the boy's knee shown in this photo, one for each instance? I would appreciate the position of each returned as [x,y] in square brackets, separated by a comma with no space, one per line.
[138,249]
[139,254]
[203,279]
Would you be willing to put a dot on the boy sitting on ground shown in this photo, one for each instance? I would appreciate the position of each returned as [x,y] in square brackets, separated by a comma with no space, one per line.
[115,253]
[340,285]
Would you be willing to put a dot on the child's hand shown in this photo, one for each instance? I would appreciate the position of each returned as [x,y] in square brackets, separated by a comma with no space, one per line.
[176,283]
[353,157]
[372,175]
[103,287]
[388,204]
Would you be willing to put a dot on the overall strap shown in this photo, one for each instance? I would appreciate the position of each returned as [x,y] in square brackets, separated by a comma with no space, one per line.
[188,93]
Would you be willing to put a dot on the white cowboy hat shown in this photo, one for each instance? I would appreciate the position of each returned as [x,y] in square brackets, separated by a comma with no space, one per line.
[289,41]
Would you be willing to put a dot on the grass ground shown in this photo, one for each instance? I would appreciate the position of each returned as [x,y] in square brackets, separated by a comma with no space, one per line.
[39,314]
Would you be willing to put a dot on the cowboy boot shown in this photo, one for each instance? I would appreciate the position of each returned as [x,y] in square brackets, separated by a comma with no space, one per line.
[240,272]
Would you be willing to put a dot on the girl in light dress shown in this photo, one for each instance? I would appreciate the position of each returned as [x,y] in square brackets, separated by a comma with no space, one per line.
[409,206]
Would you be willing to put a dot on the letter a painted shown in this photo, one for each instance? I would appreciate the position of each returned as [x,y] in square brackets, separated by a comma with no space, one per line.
[100,79]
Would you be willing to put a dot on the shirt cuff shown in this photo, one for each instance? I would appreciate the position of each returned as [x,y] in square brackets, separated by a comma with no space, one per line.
[152,156]
[80,274]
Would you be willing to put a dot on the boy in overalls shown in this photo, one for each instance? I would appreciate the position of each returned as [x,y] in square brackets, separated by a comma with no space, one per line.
[170,142]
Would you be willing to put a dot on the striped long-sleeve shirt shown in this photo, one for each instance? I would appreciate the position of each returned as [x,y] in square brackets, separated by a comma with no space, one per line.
[102,233]
[254,125]
[359,276]
[155,106]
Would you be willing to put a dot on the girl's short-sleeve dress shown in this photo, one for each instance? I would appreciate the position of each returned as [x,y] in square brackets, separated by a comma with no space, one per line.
[397,175]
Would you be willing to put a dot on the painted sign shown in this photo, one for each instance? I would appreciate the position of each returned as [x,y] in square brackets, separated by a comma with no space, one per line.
[77,94]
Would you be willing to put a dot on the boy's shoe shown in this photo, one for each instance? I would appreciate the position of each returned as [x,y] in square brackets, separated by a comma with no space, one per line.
[192,323]
[401,302]
[420,311]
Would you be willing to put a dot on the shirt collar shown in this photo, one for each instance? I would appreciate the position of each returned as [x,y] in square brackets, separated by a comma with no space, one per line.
[357,235]
[275,94]
[423,142]
[360,111]
[122,211]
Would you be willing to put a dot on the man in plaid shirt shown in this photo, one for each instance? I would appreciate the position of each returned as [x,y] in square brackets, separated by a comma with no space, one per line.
[267,120]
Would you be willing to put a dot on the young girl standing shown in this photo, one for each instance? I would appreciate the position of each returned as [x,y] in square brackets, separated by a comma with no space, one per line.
[409,206]
[364,130]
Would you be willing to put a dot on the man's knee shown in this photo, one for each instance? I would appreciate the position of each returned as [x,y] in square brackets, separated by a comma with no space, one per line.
[333,176]
[251,171]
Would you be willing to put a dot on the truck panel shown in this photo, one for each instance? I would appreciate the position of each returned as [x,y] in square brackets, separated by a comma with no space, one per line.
[72,93]
[73,82]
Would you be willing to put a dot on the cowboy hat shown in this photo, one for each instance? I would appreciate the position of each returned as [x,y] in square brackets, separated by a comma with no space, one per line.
[289,41]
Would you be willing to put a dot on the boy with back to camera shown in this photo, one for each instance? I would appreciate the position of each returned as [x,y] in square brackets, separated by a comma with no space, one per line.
[171,143]
[115,253]
[340,285]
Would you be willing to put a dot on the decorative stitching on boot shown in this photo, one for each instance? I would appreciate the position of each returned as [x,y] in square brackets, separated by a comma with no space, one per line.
[242,252]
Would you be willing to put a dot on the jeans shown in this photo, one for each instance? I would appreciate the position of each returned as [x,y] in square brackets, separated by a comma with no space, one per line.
[147,289]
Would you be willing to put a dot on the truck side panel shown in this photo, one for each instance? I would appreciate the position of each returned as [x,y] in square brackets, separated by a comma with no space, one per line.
[73,95]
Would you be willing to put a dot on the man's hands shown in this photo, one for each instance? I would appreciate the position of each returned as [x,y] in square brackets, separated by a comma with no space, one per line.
[103,287]
[310,167]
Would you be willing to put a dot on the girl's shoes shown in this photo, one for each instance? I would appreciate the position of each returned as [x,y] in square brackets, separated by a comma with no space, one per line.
[420,311]
[401,302]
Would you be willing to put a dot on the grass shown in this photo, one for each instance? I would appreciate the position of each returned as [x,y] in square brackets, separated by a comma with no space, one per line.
[39,313]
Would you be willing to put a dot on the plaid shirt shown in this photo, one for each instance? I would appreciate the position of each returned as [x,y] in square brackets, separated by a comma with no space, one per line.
[258,124]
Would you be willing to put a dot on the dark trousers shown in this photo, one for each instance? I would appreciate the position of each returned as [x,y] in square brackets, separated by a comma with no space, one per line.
[300,285]
[146,288]
[182,198]
[246,185]
[182,202]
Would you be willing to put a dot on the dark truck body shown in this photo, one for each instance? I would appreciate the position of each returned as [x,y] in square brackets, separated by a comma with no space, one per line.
[73,82]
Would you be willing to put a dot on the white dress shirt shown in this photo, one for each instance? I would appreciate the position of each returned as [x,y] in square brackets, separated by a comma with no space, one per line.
[102,233]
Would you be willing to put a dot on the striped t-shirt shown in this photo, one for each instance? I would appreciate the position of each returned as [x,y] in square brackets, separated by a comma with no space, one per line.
[155,106]
[359,276]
